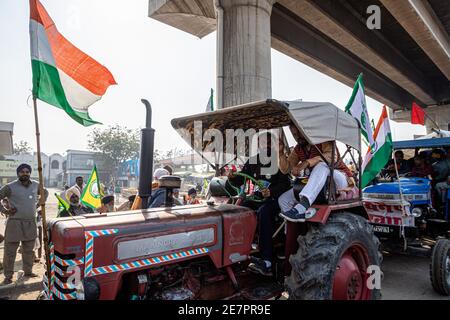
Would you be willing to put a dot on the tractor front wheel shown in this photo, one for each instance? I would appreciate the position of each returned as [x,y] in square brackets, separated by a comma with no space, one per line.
[440,267]
[333,261]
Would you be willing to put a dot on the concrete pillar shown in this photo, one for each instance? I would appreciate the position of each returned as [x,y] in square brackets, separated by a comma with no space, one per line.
[245,45]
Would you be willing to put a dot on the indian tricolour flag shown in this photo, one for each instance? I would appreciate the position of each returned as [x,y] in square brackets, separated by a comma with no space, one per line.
[375,160]
[63,75]
[357,107]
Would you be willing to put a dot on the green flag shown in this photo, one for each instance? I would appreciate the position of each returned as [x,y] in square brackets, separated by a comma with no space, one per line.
[357,107]
[210,105]
[62,204]
[91,193]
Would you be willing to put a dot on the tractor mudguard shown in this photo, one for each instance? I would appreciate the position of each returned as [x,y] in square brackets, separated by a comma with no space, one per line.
[323,211]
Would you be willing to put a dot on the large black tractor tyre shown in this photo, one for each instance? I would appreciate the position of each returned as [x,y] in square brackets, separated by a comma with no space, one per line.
[440,267]
[345,237]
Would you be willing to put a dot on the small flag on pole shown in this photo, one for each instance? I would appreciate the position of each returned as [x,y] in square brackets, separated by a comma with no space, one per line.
[417,114]
[210,105]
[63,75]
[91,193]
[62,204]
[357,107]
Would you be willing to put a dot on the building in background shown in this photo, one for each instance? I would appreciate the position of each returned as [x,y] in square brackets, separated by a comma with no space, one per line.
[6,141]
[128,174]
[51,167]
[80,163]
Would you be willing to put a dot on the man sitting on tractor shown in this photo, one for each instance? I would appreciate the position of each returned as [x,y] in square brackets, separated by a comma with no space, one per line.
[278,183]
[75,207]
[403,166]
[304,156]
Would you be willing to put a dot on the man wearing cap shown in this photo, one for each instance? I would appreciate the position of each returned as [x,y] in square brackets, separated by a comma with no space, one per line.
[107,204]
[21,228]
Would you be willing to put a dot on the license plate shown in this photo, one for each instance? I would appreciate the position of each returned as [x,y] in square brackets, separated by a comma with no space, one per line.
[382,229]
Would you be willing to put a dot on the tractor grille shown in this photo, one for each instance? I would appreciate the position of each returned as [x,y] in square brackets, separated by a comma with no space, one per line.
[63,278]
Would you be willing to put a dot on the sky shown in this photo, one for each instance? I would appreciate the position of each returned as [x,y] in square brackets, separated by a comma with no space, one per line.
[172,69]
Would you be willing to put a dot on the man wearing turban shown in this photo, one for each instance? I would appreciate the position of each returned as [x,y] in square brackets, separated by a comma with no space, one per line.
[75,209]
[22,197]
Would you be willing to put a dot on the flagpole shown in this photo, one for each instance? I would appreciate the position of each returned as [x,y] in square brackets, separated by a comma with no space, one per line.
[402,227]
[42,197]
[432,120]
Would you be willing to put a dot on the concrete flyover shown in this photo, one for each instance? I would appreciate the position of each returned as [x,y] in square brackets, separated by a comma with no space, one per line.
[407,59]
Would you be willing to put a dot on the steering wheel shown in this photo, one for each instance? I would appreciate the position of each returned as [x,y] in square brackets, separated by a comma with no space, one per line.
[244,192]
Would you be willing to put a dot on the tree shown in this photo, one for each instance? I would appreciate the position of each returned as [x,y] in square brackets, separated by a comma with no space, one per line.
[22,147]
[115,145]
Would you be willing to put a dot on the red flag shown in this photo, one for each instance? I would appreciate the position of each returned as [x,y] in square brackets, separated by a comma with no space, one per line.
[417,115]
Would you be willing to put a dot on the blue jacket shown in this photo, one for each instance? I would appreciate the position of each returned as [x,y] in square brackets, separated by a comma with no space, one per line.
[157,198]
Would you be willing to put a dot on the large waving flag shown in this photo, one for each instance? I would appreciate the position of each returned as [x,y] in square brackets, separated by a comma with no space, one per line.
[63,75]
[375,160]
[91,193]
[357,107]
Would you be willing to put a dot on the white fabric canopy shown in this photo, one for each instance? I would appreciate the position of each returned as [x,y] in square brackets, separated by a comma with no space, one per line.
[323,121]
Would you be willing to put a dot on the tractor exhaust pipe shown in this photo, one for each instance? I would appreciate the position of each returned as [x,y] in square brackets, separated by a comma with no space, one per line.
[146,157]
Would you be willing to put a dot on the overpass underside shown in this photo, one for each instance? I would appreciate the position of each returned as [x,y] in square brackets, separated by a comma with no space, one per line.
[407,59]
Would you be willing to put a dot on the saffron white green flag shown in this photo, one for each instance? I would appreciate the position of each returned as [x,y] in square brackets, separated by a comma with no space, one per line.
[376,159]
[63,75]
[357,107]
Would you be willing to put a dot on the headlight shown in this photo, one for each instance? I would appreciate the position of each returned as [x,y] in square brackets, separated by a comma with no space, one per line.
[416,212]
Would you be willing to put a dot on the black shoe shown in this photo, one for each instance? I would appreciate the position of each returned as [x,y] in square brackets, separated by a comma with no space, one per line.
[31,275]
[259,266]
[296,214]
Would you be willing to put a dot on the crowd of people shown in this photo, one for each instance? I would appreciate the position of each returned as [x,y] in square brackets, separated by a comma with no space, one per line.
[432,164]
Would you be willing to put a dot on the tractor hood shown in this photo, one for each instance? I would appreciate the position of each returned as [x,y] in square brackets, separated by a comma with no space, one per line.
[409,186]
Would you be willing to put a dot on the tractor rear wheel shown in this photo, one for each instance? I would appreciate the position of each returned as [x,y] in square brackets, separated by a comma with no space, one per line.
[333,259]
[440,267]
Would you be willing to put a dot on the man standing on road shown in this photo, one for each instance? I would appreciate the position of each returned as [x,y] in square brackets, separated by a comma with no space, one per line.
[21,227]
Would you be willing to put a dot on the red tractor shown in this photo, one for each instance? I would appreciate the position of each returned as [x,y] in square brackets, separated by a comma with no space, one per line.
[202,251]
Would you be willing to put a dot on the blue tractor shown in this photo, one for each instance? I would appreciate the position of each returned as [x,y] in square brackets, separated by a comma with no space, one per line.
[404,218]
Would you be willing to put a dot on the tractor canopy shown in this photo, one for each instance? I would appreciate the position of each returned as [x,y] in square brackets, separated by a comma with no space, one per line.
[318,122]
[422,143]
